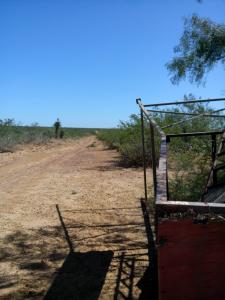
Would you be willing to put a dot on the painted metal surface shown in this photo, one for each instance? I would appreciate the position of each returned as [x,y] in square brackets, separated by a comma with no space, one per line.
[191,250]
[191,259]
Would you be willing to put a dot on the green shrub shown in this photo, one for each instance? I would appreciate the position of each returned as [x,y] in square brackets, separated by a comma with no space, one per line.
[12,134]
[7,144]
[188,175]
[127,140]
[131,154]
[189,158]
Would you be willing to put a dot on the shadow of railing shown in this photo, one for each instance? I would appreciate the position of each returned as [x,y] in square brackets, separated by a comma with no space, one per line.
[66,234]
[114,255]
[116,229]
[125,278]
[82,275]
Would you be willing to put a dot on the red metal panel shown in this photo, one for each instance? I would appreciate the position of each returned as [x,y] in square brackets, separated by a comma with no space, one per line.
[191,260]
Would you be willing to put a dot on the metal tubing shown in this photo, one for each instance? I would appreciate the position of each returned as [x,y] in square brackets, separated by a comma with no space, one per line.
[143,153]
[185,206]
[150,118]
[214,157]
[193,134]
[192,118]
[184,102]
[184,113]
[153,158]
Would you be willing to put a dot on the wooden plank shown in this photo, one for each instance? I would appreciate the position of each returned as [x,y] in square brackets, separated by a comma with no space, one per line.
[153,158]
[159,175]
[161,189]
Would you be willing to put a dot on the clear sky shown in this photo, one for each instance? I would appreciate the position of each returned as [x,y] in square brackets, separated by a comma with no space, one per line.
[86,61]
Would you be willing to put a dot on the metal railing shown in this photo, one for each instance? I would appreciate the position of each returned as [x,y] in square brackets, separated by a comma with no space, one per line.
[160,172]
[182,227]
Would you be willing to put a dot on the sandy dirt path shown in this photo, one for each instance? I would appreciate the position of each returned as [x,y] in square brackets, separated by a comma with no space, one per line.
[71,223]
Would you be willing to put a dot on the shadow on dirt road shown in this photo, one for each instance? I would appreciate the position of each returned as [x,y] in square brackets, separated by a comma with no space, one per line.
[121,265]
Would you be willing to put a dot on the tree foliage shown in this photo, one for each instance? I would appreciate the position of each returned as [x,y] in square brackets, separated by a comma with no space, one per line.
[201,47]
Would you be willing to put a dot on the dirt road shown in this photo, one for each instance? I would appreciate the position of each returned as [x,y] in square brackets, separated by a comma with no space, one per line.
[71,223]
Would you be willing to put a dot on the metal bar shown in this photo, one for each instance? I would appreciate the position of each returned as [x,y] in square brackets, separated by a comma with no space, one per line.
[221,154]
[189,119]
[161,189]
[150,119]
[161,192]
[210,177]
[219,167]
[185,102]
[184,113]
[153,158]
[166,207]
[193,134]
[143,153]
[213,154]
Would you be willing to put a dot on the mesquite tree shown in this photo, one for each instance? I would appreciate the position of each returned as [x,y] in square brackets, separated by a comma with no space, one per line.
[201,47]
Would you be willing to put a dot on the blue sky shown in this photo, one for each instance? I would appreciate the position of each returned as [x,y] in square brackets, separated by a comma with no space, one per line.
[86,61]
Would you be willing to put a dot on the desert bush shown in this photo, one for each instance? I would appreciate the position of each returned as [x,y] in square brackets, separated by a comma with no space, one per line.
[36,136]
[126,138]
[189,157]
[188,175]
[75,133]
[7,144]
[12,134]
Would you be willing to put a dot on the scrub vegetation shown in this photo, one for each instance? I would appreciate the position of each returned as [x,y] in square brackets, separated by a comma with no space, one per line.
[127,140]
[13,134]
[189,158]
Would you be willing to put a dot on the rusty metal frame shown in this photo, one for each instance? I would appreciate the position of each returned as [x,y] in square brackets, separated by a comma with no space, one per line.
[183,102]
[189,235]
[160,176]
[183,113]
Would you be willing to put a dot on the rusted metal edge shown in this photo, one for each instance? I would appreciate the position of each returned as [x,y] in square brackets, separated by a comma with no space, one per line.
[173,135]
[160,184]
[183,206]
[144,155]
[150,118]
[161,173]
